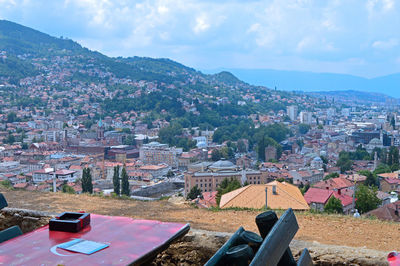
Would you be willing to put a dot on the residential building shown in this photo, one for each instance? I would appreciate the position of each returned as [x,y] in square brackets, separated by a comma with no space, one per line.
[156,153]
[292,112]
[65,175]
[42,175]
[305,117]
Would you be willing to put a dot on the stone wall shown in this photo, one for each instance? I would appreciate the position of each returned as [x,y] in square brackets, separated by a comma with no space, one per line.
[27,220]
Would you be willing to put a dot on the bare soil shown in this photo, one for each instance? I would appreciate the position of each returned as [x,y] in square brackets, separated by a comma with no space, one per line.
[326,229]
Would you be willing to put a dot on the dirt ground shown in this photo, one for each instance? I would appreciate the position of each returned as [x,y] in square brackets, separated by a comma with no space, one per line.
[325,229]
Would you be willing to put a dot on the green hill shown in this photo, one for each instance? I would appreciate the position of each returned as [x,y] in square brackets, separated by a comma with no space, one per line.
[23,44]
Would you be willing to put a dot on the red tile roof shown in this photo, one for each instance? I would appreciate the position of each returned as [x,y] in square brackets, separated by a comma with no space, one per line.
[334,183]
[345,199]
[317,195]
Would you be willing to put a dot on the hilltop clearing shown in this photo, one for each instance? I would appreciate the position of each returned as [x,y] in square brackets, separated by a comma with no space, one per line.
[325,229]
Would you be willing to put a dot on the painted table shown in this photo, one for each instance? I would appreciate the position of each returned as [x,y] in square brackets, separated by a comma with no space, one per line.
[131,242]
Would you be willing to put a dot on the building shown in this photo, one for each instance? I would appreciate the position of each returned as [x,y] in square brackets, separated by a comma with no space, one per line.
[308,176]
[212,175]
[305,117]
[100,130]
[388,212]
[364,137]
[65,175]
[157,153]
[42,175]
[390,184]
[339,184]
[274,195]
[292,112]
[157,171]
[317,198]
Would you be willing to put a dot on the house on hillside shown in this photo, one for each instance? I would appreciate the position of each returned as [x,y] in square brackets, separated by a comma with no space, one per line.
[65,175]
[318,197]
[306,176]
[390,184]
[339,184]
[275,195]
[388,212]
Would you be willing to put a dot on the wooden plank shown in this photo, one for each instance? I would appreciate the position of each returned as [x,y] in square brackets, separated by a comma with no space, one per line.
[305,259]
[277,241]
[216,259]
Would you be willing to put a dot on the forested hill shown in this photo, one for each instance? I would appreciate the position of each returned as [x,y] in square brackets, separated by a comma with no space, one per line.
[22,45]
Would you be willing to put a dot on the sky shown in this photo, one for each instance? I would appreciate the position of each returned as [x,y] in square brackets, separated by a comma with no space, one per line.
[357,37]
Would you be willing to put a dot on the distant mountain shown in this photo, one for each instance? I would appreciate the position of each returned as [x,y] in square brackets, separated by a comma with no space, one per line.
[355,96]
[310,81]
[24,45]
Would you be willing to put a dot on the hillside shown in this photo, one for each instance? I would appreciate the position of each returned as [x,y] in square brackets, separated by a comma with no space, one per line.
[26,45]
[354,96]
[325,229]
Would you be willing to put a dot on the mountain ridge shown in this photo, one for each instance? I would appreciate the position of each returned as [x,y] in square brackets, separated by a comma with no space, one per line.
[17,40]
[313,81]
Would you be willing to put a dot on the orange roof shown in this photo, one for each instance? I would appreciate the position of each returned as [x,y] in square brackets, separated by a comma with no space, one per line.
[253,196]
[389,175]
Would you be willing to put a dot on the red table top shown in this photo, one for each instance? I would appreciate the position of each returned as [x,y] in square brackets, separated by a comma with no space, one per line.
[129,239]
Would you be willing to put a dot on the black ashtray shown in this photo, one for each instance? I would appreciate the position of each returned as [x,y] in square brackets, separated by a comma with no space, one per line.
[70,222]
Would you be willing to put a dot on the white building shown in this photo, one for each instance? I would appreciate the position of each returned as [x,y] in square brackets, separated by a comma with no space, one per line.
[157,153]
[292,112]
[305,117]
[42,175]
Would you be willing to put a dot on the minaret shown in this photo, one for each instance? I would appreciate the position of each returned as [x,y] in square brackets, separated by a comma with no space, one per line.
[375,160]
[100,130]
[244,178]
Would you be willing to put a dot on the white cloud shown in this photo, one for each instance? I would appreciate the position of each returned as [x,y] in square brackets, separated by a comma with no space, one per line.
[201,24]
[227,33]
[388,44]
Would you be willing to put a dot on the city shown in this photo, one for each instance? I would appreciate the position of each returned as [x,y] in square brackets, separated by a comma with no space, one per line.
[177,144]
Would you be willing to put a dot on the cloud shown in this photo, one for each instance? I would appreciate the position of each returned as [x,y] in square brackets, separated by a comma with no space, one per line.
[201,24]
[226,33]
[388,44]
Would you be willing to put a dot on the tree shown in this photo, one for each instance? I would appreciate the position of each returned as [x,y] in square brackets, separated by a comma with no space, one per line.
[331,175]
[304,128]
[382,168]
[227,186]
[344,162]
[116,180]
[125,183]
[11,117]
[170,174]
[24,146]
[194,192]
[367,199]
[215,155]
[241,146]
[333,205]
[372,179]
[393,123]
[68,189]
[87,186]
